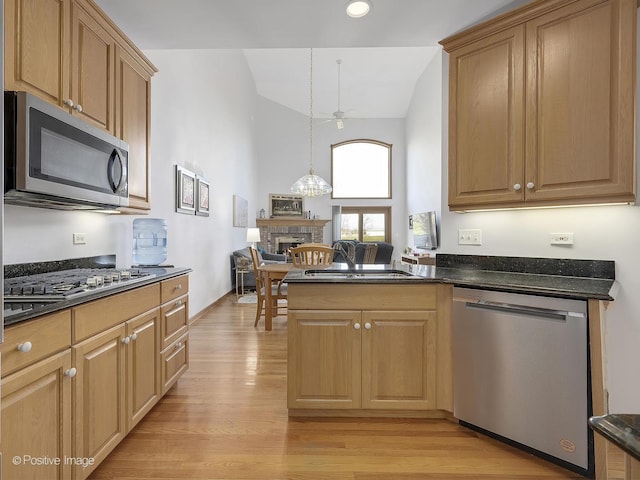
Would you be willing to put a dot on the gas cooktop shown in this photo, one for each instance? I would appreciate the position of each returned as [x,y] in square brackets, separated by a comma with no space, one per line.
[69,284]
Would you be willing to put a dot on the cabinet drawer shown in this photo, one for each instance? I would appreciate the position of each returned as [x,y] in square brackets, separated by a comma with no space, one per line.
[46,335]
[174,318]
[174,288]
[175,361]
[97,316]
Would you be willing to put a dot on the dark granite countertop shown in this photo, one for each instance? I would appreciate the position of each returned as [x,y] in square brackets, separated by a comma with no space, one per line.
[161,273]
[623,430]
[565,278]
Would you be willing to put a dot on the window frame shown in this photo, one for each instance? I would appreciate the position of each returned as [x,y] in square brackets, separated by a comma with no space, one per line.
[360,211]
[389,147]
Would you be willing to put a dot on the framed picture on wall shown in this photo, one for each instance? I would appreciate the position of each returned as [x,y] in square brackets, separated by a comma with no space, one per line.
[285,205]
[240,211]
[185,190]
[203,188]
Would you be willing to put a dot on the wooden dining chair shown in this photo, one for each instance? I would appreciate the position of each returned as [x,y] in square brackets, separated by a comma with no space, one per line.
[312,255]
[370,252]
[278,290]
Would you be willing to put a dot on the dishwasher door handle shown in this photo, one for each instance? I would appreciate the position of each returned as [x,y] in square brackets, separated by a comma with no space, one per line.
[523,310]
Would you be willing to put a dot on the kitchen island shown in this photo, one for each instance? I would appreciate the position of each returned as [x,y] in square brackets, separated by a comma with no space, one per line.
[373,341]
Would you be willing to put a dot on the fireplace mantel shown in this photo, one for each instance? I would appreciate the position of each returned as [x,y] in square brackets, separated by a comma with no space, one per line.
[290,222]
[273,228]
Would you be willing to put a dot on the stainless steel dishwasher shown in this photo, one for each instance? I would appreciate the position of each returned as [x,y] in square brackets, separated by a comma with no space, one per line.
[521,372]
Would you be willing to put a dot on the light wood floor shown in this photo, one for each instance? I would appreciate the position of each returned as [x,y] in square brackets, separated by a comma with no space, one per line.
[227,419]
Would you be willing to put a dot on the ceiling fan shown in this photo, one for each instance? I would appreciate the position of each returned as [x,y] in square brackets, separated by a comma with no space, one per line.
[339,115]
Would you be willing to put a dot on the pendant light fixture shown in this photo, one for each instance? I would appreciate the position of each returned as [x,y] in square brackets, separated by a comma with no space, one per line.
[311,185]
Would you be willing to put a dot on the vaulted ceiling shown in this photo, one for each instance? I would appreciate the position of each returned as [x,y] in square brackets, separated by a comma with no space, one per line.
[382,54]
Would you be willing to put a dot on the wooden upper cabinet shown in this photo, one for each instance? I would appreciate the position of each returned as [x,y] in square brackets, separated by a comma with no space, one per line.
[36,48]
[542,106]
[92,70]
[133,91]
[486,151]
[580,103]
[69,53]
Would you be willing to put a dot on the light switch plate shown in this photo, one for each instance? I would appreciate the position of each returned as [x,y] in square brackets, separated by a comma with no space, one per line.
[561,239]
[469,236]
[79,238]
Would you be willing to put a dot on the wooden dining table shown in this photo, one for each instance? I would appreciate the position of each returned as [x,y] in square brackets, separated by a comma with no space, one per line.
[270,273]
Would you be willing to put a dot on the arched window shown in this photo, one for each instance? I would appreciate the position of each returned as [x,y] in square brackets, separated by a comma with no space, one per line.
[361,169]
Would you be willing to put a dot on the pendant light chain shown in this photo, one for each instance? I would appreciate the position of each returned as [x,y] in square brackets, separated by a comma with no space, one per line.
[311,185]
[311,111]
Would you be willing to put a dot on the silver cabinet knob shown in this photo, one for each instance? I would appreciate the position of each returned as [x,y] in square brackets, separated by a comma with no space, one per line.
[356,326]
[78,107]
[367,326]
[69,103]
[133,336]
[517,187]
[25,347]
[126,340]
[530,185]
[72,372]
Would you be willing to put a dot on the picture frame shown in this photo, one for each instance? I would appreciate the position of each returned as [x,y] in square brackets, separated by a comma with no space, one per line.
[286,205]
[203,191]
[185,190]
[240,211]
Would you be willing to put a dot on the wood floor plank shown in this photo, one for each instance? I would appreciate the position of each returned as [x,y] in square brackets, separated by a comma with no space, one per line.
[227,419]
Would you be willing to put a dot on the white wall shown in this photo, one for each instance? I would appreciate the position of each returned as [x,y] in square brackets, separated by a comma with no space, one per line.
[202,118]
[424,144]
[283,152]
[601,232]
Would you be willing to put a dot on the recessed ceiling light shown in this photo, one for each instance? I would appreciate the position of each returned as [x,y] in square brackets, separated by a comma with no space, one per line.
[358,8]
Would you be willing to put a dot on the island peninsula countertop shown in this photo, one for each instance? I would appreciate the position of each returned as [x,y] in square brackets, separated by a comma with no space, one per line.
[566,278]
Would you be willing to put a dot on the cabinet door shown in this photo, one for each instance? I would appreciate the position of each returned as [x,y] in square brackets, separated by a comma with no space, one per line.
[36,48]
[580,103]
[486,102]
[143,368]
[133,101]
[99,396]
[324,359]
[399,360]
[92,70]
[36,419]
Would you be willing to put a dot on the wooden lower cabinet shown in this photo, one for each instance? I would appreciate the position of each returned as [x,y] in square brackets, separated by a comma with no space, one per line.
[174,361]
[90,374]
[324,368]
[143,369]
[36,420]
[100,418]
[399,360]
[362,360]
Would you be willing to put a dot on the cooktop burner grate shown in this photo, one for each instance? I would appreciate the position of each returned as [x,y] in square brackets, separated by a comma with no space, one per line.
[69,284]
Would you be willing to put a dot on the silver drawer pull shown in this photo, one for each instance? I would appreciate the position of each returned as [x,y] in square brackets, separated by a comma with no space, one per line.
[178,303]
[178,345]
[25,347]
[178,287]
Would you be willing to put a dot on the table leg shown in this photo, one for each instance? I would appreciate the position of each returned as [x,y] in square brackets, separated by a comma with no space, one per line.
[268,301]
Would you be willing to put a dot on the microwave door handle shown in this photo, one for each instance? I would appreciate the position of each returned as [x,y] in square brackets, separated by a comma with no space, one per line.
[113,182]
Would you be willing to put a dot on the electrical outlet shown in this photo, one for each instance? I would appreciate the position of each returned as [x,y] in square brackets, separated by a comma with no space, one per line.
[561,239]
[79,238]
[469,236]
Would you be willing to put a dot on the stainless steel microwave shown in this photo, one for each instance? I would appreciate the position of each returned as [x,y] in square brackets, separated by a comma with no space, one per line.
[55,160]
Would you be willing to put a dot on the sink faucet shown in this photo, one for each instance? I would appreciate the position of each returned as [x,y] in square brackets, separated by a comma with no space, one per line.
[349,254]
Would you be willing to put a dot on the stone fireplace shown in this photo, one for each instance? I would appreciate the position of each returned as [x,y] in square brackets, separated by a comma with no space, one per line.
[279,234]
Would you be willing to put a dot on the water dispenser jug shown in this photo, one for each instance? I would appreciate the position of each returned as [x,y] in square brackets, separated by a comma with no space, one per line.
[149,241]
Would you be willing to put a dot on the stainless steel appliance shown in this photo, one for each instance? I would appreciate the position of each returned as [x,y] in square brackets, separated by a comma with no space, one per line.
[55,160]
[27,292]
[521,372]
